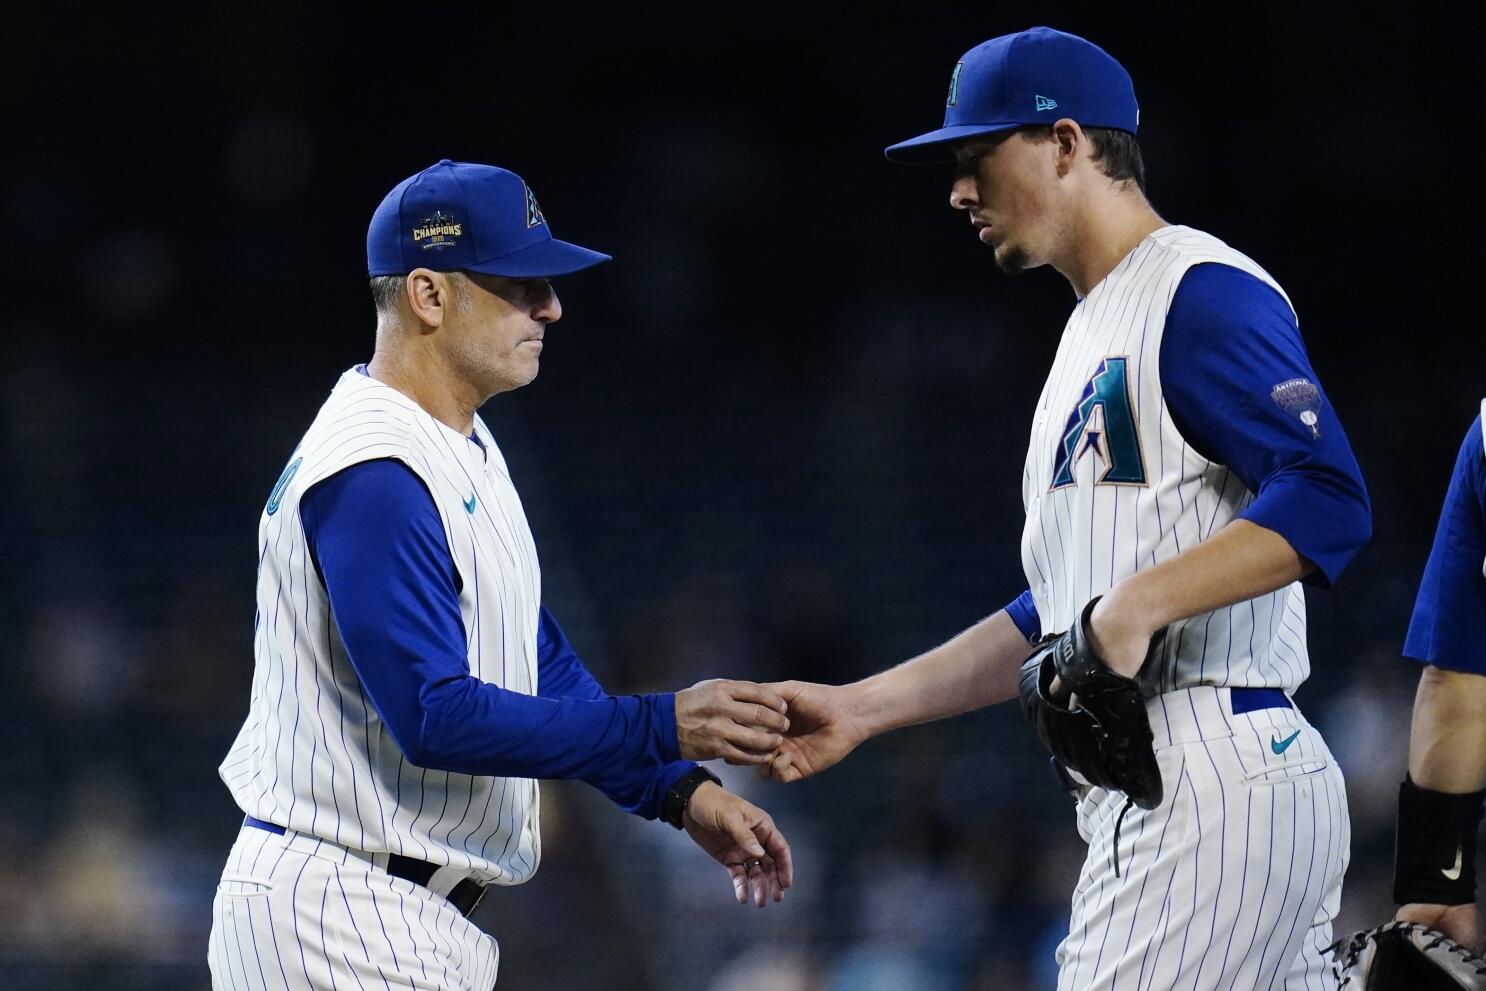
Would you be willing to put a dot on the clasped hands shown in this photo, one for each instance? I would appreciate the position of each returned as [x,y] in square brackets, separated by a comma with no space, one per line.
[793,730]
[789,731]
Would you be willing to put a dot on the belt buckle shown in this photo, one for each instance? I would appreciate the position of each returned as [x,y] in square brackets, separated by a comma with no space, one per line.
[458,896]
[478,899]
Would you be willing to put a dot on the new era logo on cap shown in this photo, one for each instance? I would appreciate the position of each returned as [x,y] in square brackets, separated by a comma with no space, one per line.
[462,215]
[1005,83]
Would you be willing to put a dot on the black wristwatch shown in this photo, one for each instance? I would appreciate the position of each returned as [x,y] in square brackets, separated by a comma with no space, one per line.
[678,796]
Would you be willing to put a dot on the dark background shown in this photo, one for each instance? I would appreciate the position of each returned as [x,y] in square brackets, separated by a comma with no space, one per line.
[780,436]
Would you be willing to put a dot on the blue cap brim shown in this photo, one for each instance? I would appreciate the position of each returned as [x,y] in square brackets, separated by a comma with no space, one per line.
[927,149]
[542,259]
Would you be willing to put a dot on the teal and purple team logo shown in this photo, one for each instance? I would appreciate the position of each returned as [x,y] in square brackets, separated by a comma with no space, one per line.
[277,495]
[1103,421]
[954,85]
[533,212]
[1302,400]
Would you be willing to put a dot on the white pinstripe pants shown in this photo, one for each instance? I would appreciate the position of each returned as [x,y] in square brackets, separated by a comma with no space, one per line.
[293,913]
[1234,880]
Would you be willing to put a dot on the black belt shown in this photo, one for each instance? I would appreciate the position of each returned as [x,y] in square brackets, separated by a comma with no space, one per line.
[465,896]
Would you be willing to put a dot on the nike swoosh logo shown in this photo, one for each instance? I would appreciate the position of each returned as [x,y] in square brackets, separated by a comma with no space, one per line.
[1280,746]
[469,507]
[1454,873]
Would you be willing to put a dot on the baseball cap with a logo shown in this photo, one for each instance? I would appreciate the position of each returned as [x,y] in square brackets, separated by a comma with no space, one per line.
[460,215]
[1037,76]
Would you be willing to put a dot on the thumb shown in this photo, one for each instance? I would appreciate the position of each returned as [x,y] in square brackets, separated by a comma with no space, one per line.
[741,831]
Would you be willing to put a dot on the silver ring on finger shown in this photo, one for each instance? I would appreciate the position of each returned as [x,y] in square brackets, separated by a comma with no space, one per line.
[752,865]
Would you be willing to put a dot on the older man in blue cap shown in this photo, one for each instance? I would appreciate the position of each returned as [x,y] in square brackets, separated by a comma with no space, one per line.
[1185,475]
[410,683]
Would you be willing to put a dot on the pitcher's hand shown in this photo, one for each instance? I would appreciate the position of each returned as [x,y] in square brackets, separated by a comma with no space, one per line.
[821,730]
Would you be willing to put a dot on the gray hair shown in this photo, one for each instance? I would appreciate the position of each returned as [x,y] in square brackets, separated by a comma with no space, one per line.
[388,290]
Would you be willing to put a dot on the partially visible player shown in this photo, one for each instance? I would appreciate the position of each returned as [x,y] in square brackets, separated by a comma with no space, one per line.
[1441,800]
[1185,472]
[410,684]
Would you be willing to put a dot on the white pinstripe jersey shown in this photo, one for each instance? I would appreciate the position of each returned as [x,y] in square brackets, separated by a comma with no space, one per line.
[313,755]
[1111,486]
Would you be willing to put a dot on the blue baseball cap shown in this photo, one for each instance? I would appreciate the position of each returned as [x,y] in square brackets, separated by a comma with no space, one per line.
[1037,76]
[459,215]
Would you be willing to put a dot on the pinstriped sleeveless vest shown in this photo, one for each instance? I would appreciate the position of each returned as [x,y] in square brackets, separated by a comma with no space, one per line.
[313,754]
[1111,486]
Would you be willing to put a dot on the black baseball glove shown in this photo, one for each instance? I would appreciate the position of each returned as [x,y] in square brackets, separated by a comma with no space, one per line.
[1402,956]
[1105,735]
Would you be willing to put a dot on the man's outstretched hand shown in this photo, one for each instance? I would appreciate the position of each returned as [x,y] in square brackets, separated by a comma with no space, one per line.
[738,721]
[821,730]
[741,837]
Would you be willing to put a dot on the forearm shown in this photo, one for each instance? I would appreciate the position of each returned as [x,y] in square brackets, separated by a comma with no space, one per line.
[1240,562]
[1447,742]
[1439,806]
[472,727]
[979,667]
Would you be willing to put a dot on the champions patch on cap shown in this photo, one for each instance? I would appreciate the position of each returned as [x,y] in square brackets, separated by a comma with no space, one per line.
[438,231]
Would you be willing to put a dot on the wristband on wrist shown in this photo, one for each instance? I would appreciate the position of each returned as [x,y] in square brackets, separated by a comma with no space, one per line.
[1435,856]
[678,796]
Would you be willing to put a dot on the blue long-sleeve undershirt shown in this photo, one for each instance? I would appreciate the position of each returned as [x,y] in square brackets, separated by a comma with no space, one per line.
[1230,340]
[378,544]
[1448,627]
